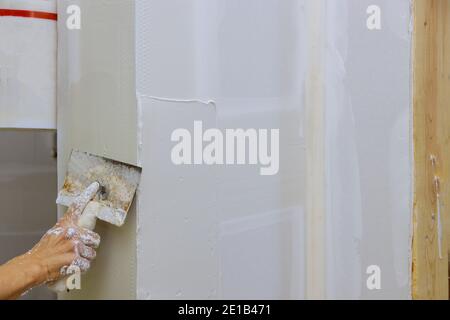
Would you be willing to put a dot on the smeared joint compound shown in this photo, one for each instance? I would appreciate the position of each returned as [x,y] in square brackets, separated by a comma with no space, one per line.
[437,185]
[205,102]
[439,221]
[433,161]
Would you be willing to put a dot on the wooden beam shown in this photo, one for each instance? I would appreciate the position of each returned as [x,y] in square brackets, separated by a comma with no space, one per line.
[431,108]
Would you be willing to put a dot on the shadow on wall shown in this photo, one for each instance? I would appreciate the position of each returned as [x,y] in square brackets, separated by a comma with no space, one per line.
[28,189]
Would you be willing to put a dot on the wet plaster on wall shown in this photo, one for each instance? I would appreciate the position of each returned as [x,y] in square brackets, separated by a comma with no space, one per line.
[369,162]
[228,230]
[219,232]
[178,233]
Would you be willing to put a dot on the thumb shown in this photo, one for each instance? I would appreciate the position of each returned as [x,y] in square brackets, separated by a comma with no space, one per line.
[83,199]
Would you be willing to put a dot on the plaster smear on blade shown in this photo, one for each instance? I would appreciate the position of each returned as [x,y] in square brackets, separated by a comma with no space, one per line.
[119,181]
[86,196]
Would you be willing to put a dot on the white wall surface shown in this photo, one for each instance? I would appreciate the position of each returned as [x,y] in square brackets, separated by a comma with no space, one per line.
[220,231]
[368,149]
[28,67]
[226,231]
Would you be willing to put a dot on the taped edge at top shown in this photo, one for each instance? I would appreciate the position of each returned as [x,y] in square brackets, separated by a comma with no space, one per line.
[36,9]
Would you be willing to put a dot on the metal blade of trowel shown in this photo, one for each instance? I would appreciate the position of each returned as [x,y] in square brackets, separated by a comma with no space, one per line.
[118,182]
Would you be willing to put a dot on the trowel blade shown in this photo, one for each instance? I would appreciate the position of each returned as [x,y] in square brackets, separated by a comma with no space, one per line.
[118,181]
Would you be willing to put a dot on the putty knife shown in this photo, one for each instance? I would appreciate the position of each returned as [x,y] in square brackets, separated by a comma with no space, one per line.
[118,183]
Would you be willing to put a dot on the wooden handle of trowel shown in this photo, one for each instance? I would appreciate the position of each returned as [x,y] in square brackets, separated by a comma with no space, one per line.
[87,221]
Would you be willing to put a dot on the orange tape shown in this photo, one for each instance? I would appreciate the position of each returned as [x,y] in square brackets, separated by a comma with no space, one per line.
[28,14]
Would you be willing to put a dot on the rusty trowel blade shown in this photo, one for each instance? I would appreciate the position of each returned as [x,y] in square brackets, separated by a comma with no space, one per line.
[118,181]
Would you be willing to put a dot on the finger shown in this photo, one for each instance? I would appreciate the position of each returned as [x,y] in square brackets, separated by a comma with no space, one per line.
[81,263]
[86,252]
[84,198]
[90,238]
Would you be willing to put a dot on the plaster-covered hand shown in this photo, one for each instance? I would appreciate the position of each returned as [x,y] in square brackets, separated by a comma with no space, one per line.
[83,241]
[66,244]
[63,246]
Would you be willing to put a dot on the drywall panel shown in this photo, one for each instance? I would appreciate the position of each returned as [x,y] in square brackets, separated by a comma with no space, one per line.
[227,231]
[368,144]
[177,242]
[220,231]
[97,114]
[28,64]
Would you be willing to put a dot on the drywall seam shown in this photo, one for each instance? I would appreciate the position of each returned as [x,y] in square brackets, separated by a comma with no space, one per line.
[411,149]
[315,165]
[139,135]
[140,294]
[140,97]
[400,21]
[164,99]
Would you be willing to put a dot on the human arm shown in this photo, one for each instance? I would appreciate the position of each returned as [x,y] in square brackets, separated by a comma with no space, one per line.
[64,245]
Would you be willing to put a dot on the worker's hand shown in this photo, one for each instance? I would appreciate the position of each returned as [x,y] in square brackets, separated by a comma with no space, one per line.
[66,244]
